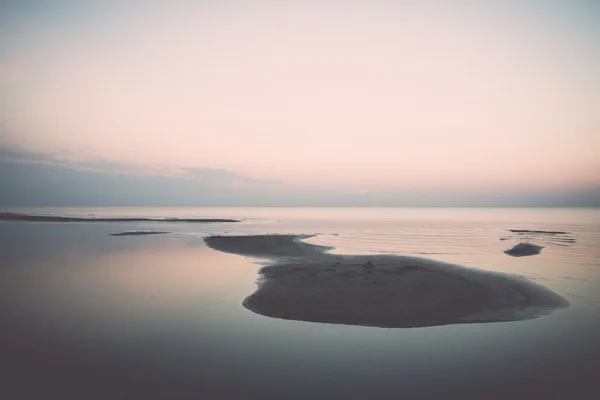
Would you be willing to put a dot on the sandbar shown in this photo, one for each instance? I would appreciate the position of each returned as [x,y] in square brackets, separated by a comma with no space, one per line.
[537,232]
[303,282]
[524,249]
[138,233]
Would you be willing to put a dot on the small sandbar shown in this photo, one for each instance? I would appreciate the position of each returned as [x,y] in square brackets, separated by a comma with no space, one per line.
[58,218]
[524,249]
[553,238]
[138,233]
[538,232]
[303,282]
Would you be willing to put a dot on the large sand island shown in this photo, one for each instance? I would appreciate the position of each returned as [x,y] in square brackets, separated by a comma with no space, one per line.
[304,282]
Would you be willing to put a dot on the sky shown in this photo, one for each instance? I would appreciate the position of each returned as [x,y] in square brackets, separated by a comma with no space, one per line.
[319,103]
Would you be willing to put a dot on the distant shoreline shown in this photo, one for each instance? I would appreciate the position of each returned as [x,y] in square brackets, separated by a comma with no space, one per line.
[57,218]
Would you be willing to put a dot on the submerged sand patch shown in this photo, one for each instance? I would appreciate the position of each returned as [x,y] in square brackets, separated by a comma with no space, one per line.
[303,282]
[524,249]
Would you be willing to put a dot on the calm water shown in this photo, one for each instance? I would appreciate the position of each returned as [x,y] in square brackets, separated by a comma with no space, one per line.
[88,315]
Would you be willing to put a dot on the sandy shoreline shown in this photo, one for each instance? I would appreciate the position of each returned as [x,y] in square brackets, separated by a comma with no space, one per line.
[56,218]
[303,282]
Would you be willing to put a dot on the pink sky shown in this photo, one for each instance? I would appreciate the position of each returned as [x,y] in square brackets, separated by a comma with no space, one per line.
[371,97]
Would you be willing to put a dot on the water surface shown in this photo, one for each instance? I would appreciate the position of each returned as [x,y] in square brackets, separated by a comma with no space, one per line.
[87,314]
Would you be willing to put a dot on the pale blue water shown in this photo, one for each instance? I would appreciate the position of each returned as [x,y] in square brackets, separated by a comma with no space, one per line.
[161,316]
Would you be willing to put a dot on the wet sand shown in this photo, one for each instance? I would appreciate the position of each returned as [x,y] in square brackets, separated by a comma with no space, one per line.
[303,282]
[57,218]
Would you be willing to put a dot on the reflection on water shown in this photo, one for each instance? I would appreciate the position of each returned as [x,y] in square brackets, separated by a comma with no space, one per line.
[132,286]
[86,313]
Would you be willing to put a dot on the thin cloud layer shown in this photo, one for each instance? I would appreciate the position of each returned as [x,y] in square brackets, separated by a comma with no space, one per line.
[31,179]
[224,176]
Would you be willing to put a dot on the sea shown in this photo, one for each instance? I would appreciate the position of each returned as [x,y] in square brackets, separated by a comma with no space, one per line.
[86,315]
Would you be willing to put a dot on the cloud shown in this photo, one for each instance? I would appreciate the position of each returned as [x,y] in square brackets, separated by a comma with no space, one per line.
[18,155]
[37,178]
[15,154]
[29,178]
[221,176]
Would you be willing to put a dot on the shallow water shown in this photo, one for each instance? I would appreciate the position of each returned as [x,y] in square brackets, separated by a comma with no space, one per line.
[85,313]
